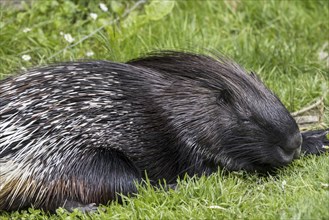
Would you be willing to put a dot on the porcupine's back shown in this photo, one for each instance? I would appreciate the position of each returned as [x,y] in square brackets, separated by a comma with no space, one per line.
[51,118]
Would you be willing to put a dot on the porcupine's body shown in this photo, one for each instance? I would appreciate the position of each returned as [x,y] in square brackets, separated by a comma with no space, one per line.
[78,133]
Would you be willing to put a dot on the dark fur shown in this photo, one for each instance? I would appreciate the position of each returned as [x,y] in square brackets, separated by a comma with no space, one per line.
[104,124]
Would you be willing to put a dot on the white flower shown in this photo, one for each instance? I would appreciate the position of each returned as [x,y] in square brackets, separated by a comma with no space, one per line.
[323,55]
[90,53]
[93,16]
[61,33]
[103,7]
[283,184]
[26,57]
[25,30]
[68,38]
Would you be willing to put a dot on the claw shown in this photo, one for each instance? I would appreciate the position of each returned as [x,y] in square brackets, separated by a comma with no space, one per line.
[88,208]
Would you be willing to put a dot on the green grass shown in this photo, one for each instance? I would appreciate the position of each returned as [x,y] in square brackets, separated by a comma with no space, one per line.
[280,40]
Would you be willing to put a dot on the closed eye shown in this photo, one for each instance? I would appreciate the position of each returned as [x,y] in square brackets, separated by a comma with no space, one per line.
[223,97]
[245,121]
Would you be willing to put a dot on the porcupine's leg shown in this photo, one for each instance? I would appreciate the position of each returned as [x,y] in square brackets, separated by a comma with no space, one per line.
[89,177]
[315,142]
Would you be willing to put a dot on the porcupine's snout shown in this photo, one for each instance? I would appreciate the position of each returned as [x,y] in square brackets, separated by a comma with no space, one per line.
[291,148]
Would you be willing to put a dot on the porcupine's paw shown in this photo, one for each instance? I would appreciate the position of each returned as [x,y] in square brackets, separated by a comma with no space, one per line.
[315,142]
[172,186]
[73,205]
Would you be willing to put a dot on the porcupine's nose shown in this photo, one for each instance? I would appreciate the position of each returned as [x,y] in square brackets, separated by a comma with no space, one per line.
[293,146]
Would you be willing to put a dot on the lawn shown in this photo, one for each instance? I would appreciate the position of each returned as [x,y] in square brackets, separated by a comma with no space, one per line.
[285,42]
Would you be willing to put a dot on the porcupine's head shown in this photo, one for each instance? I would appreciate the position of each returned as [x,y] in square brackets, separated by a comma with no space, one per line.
[214,108]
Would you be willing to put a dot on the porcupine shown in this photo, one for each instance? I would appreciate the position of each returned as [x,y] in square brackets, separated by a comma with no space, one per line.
[78,133]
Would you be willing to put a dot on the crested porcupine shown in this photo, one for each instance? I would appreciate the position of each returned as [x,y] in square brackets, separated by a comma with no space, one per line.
[78,133]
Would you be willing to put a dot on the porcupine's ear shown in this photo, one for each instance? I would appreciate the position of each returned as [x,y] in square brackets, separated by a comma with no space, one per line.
[315,142]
